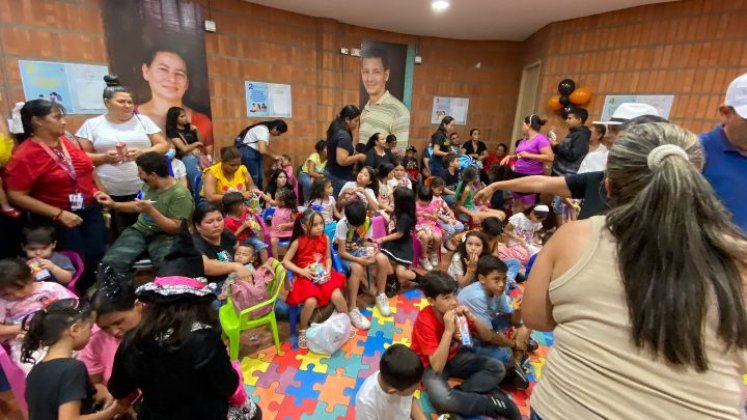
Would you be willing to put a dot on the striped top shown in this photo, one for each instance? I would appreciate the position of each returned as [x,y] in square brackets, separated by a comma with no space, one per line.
[387,116]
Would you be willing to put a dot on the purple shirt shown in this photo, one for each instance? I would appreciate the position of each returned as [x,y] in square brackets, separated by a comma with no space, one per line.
[526,166]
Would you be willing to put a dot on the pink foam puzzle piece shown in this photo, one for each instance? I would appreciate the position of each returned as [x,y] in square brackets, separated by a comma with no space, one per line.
[373,364]
[284,377]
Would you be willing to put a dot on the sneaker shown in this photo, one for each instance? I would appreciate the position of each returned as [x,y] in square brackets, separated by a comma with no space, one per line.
[434,260]
[425,264]
[503,406]
[383,304]
[517,378]
[358,320]
[302,340]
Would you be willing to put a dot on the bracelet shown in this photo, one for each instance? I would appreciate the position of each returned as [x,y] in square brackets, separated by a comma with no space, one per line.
[57,216]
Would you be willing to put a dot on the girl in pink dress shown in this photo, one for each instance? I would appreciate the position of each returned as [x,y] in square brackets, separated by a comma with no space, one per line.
[309,258]
[283,218]
[427,227]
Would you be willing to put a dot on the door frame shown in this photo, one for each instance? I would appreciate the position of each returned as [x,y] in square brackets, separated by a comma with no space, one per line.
[522,100]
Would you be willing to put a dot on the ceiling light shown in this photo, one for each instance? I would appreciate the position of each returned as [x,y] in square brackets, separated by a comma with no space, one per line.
[439,5]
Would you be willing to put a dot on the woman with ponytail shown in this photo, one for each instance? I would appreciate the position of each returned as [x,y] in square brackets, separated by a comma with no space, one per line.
[114,140]
[58,386]
[52,179]
[647,303]
[340,152]
[441,145]
[532,153]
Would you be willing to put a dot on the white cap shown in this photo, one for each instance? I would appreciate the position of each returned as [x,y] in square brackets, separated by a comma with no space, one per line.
[629,110]
[541,208]
[736,95]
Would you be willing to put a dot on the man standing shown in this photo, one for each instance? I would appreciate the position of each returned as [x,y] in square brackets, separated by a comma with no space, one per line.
[383,113]
[163,206]
[726,152]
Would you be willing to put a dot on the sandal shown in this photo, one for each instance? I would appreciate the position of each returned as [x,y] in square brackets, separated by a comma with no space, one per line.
[302,344]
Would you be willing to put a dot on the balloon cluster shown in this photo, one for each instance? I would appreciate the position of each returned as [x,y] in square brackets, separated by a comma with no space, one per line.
[568,95]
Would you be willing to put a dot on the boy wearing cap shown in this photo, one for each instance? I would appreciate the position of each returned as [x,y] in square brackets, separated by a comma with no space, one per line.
[726,152]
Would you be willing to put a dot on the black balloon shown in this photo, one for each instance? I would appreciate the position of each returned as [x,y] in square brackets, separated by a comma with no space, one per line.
[565,111]
[564,100]
[566,87]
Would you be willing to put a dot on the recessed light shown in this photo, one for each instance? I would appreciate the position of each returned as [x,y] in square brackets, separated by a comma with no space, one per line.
[439,5]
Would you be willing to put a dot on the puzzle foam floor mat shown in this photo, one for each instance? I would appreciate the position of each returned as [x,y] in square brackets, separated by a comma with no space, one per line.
[301,385]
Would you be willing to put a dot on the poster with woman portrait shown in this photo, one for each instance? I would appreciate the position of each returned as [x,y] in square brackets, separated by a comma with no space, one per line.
[157,48]
[385,89]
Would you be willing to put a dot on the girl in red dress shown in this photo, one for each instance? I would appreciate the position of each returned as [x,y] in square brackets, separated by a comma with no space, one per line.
[309,258]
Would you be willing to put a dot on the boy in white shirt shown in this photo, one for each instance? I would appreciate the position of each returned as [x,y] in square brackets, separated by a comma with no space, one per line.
[388,394]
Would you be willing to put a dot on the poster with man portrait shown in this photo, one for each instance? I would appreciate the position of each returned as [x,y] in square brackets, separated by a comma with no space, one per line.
[157,48]
[385,88]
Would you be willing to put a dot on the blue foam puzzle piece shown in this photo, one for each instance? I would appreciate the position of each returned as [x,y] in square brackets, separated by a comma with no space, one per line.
[321,412]
[307,379]
[374,342]
[353,392]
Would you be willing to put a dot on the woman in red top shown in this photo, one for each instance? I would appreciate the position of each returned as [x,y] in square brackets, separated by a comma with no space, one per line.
[316,284]
[53,179]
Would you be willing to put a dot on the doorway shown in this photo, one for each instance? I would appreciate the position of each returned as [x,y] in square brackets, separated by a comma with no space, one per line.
[530,79]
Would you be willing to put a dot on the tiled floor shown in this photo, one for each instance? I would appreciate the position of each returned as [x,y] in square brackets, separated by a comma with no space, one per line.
[302,385]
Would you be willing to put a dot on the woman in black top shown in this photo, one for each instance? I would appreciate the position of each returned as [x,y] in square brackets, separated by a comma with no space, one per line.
[377,151]
[216,244]
[441,144]
[475,147]
[187,141]
[341,156]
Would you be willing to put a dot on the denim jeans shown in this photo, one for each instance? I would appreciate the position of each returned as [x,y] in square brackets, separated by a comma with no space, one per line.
[481,376]
[88,240]
[192,164]
[306,180]
[534,416]
[252,159]
[502,354]
[449,230]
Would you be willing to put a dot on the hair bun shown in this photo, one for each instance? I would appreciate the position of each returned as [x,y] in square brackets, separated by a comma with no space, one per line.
[112,80]
[541,121]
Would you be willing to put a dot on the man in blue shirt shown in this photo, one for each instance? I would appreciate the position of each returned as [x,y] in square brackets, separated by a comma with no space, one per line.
[726,152]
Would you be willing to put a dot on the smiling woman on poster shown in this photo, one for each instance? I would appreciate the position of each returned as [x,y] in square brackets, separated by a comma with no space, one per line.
[383,113]
[167,74]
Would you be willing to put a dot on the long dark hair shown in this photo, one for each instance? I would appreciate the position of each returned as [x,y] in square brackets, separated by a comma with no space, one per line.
[462,247]
[112,293]
[678,253]
[304,221]
[169,324]
[348,112]
[317,189]
[278,125]
[272,184]
[374,182]
[372,141]
[172,115]
[442,126]
[404,203]
[45,327]
[39,108]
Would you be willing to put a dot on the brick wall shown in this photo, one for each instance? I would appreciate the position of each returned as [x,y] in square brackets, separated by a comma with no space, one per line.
[691,49]
[254,42]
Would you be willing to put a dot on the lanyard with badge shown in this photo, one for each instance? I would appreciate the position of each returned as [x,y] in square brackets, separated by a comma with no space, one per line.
[62,159]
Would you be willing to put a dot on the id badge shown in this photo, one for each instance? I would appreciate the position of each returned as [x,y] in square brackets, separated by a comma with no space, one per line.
[76,201]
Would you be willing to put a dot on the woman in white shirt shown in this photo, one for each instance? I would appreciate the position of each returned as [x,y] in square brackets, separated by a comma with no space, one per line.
[134,134]
[254,142]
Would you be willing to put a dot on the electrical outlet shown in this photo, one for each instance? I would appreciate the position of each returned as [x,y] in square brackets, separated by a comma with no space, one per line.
[210,26]
[418,59]
[355,52]
[344,51]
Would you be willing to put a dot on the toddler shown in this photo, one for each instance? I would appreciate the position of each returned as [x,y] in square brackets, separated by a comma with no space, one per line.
[283,219]
[242,223]
[321,199]
[46,264]
[447,220]
[399,177]
[428,229]
[411,165]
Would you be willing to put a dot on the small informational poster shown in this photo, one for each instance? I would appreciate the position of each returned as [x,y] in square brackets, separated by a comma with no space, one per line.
[78,87]
[268,100]
[454,107]
[663,103]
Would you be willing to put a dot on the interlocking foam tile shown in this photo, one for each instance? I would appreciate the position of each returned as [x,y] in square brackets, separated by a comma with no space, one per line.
[300,385]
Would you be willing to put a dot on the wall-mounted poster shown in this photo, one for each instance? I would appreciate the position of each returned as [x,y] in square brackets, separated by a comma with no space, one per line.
[157,48]
[454,107]
[77,87]
[385,90]
[268,100]
[663,103]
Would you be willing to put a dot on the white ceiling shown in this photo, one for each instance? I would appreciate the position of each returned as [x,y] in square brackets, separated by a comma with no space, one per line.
[513,20]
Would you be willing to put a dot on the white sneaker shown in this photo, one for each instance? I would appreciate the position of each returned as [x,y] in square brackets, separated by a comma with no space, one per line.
[434,260]
[383,304]
[425,264]
[358,320]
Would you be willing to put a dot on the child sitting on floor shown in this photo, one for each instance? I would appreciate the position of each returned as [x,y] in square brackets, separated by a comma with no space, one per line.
[46,264]
[384,172]
[399,177]
[388,393]
[21,296]
[448,222]
[522,228]
[242,223]
[464,261]
[358,254]
[437,335]
[464,198]
[316,284]
[514,257]
[490,303]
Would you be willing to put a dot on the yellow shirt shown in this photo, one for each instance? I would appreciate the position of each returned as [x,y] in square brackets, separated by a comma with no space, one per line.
[223,184]
[318,164]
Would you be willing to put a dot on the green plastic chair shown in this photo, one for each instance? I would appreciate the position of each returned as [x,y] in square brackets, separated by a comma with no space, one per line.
[234,323]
